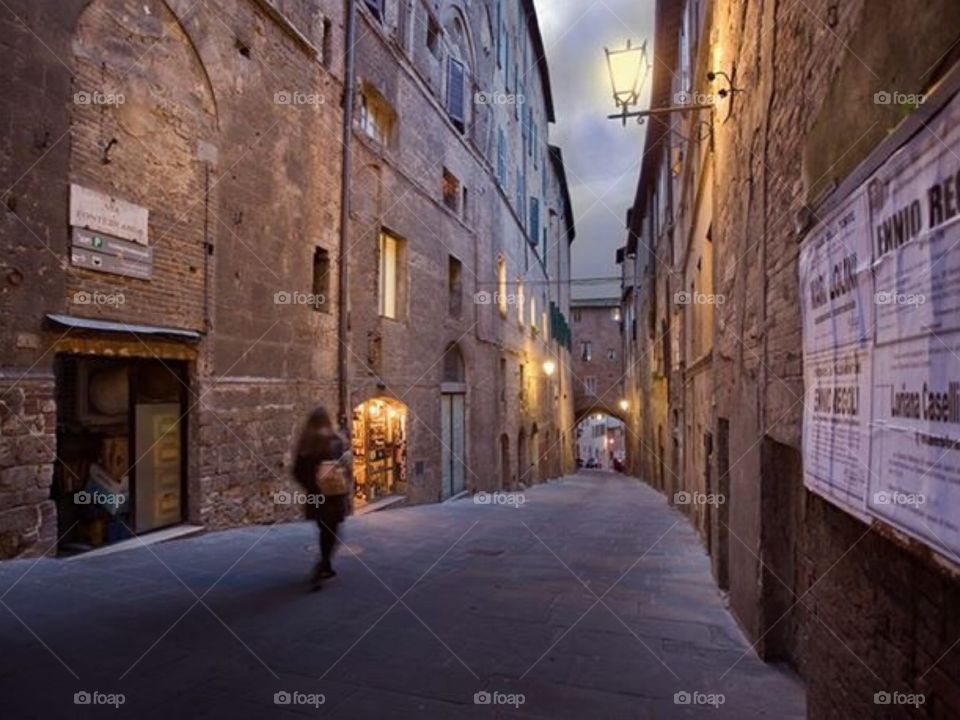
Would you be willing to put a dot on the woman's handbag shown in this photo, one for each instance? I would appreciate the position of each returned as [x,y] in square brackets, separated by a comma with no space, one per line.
[333,476]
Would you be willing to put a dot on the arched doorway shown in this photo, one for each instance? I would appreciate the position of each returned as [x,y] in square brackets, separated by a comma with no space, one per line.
[505,483]
[379,444]
[601,442]
[535,462]
[453,423]
[522,458]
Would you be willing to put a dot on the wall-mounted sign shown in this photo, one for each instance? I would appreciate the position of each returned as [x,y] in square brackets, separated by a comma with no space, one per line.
[99,251]
[881,342]
[100,212]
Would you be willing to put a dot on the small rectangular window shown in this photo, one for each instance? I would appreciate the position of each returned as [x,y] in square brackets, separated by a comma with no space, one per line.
[519,300]
[502,285]
[391,280]
[502,158]
[321,280]
[376,7]
[326,51]
[454,286]
[455,91]
[503,379]
[451,191]
[534,220]
[433,36]
[586,351]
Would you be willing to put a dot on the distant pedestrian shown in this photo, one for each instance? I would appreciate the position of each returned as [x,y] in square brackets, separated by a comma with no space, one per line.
[323,468]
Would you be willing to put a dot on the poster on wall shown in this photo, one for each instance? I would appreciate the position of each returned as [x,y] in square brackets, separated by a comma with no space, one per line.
[836,427]
[836,285]
[836,282]
[882,347]
[915,208]
[915,478]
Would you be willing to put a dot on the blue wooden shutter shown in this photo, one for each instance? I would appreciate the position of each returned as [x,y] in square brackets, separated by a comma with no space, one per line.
[455,77]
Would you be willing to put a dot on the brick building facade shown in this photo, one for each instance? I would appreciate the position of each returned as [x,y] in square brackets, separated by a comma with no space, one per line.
[457,189]
[170,256]
[598,357]
[717,380]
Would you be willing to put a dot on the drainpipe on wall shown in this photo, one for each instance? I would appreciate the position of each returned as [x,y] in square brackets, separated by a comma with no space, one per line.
[343,329]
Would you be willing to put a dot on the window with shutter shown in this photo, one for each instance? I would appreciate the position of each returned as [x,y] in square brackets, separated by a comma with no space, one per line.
[502,158]
[455,80]
[376,7]
[534,221]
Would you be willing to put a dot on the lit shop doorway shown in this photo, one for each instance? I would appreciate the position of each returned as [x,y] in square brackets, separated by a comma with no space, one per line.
[121,449]
[379,449]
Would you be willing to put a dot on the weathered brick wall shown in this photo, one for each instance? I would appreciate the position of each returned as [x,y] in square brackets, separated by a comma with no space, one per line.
[597,326]
[27,447]
[241,186]
[871,615]
[399,187]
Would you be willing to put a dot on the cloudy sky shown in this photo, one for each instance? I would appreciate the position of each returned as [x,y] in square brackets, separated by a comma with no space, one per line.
[602,157]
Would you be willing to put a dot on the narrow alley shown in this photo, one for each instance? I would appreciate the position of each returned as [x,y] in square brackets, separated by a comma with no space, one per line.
[585,597]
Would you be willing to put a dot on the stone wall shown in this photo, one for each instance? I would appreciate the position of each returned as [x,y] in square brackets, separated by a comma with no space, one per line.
[852,607]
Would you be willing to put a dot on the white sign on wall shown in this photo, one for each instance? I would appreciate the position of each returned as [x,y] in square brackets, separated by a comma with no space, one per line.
[880,279]
[100,212]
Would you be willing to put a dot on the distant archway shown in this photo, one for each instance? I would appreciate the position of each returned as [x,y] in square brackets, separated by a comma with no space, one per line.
[601,441]
[505,481]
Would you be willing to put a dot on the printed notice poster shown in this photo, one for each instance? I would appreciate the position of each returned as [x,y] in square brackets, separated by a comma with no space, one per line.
[836,282]
[836,285]
[915,216]
[880,283]
[836,438]
[915,479]
[915,209]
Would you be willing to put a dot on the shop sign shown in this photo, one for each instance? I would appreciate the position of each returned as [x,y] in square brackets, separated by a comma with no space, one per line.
[104,213]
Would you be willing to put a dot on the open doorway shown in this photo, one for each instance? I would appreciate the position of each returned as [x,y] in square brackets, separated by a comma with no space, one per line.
[121,448]
[601,442]
[379,444]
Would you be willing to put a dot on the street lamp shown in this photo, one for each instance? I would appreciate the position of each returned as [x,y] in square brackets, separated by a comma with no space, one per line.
[628,70]
[624,405]
[549,366]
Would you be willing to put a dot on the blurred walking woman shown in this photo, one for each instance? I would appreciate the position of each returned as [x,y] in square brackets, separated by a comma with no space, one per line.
[323,469]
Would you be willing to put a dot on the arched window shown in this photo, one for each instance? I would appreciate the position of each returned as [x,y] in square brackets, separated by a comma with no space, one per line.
[453,369]
[459,71]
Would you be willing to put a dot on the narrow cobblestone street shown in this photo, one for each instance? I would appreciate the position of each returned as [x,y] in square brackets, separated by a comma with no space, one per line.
[586,597]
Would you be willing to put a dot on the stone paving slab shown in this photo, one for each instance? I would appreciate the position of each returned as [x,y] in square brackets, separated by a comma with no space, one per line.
[432,605]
